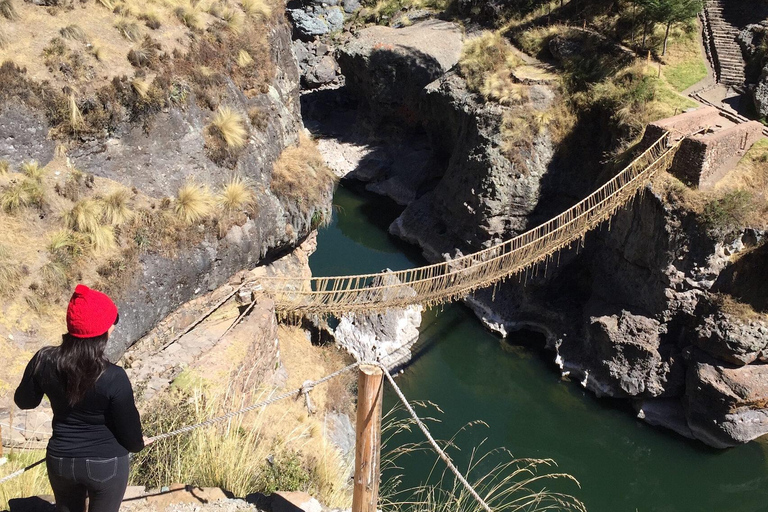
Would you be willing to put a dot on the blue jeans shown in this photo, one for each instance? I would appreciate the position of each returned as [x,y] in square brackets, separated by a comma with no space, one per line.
[103,481]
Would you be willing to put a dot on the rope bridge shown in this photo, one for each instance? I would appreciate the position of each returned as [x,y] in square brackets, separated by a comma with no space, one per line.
[449,280]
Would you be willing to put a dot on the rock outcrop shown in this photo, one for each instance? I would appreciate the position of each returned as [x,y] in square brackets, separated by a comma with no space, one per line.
[385,337]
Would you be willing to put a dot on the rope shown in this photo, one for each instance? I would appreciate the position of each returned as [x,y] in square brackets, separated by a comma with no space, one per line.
[449,280]
[20,471]
[432,441]
[303,390]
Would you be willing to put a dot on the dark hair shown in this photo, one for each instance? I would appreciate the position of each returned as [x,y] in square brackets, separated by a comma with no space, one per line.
[80,362]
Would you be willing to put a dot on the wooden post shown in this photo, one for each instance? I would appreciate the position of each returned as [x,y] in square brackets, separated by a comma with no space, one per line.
[370,386]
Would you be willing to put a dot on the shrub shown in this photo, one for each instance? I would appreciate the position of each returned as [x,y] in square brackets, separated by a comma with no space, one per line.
[729,212]
[300,174]
[74,32]
[235,195]
[193,203]
[8,10]
[229,126]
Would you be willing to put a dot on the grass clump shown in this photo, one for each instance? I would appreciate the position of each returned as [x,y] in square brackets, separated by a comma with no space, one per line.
[230,127]
[244,59]
[5,167]
[129,30]
[10,272]
[20,194]
[504,482]
[188,17]
[728,212]
[33,171]
[486,63]
[235,195]
[8,10]
[85,216]
[300,174]
[74,32]
[115,207]
[193,203]
[256,8]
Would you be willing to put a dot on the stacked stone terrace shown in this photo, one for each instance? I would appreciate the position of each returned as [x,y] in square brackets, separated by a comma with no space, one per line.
[712,145]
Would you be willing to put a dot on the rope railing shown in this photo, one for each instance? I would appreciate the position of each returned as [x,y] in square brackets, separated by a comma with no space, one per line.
[304,389]
[448,280]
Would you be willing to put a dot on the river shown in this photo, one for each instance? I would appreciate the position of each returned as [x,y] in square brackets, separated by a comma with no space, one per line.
[621,463]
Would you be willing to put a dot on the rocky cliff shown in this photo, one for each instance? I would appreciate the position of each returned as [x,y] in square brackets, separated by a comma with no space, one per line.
[155,153]
[637,311]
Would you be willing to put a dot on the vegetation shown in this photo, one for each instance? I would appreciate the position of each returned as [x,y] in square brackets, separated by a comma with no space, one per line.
[32,483]
[8,10]
[486,63]
[300,174]
[229,126]
[669,12]
[235,195]
[193,203]
[506,483]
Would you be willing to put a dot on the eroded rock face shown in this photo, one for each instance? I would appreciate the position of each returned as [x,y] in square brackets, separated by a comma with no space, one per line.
[628,355]
[173,152]
[385,337]
[388,68]
[725,405]
[24,135]
[729,338]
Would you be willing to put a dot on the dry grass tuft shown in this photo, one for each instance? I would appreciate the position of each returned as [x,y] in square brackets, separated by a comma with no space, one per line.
[235,195]
[256,8]
[74,32]
[188,17]
[102,238]
[97,51]
[5,167]
[76,121]
[33,171]
[85,216]
[244,59]
[107,3]
[488,58]
[230,126]
[115,207]
[300,174]
[4,41]
[141,87]
[64,246]
[129,30]
[193,203]
[8,10]
[10,272]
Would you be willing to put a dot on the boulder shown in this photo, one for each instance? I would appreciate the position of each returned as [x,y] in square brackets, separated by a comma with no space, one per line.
[385,337]
[316,19]
[388,68]
[760,94]
[726,406]
[729,337]
[629,357]
[294,501]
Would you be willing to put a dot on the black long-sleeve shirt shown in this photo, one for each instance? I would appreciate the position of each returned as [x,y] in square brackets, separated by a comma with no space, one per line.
[105,423]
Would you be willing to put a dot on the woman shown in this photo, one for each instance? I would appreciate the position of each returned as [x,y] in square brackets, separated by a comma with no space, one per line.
[95,421]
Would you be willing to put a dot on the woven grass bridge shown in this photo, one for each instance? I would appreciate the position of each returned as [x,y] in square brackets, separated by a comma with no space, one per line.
[453,279]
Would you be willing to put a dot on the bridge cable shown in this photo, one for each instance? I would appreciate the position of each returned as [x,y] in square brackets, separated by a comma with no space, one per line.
[440,452]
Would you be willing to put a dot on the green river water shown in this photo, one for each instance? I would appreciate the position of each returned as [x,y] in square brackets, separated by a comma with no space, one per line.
[622,463]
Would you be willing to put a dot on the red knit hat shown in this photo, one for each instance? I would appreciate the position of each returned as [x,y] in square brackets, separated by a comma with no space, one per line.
[90,313]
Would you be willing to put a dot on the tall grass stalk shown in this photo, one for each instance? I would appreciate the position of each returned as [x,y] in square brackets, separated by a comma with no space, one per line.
[506,483]
[32,483]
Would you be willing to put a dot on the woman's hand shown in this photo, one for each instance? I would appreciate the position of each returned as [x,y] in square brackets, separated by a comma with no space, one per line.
[148,441]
